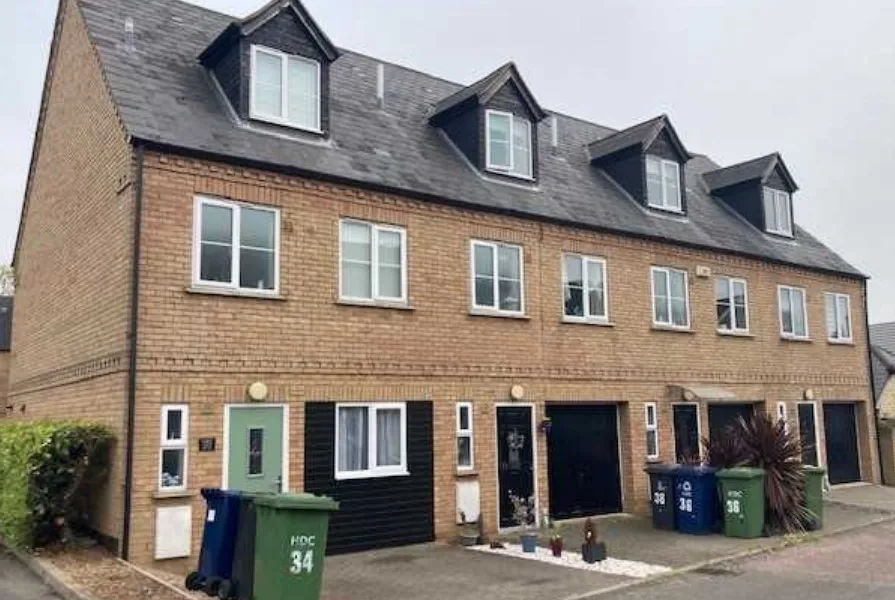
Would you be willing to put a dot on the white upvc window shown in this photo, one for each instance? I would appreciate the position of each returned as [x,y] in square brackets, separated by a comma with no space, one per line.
[663,184]
[508,144]
[584,288]
[465,450]
[373,262]
[173,447]
[371,440]
[838,317]
[285,89]
[732,304]
[793,312]
[236,246]
[497,277]
[671,302]
[652,430]
[777,212]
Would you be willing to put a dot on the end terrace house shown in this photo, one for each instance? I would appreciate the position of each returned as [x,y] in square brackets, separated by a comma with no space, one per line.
[271,263]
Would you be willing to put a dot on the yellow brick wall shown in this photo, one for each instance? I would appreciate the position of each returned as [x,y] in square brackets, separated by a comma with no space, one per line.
[887,400]
[4,382]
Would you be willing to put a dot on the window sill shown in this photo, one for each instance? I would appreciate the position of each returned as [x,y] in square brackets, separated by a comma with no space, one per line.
[484,312]
[841,342]
[233,293]
[653,461]
[172,494]
[672,329]
[792,338]
[463,473]
[369,475]
[587,321]
[735,334]
[497,171]
[284,123]
[671,211]
[375,304]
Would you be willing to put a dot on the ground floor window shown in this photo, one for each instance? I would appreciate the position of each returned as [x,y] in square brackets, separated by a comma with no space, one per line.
[371,440]
[652,431]
[173,447]
[464,436]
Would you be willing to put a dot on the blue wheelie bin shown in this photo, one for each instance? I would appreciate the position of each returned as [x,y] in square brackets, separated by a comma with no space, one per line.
[696,499]
[218,541]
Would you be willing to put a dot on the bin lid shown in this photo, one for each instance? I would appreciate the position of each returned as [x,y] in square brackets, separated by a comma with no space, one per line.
[298,502]
[740,473]
[694,470]
[218,493]
[661,468]
[813,469]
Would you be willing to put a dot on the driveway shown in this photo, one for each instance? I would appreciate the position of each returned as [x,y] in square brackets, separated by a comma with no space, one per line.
[18,583]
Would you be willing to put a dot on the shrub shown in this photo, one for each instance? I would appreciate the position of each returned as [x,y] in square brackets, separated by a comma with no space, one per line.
[47,473]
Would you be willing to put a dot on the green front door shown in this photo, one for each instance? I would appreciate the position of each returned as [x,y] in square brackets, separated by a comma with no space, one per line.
[255,462]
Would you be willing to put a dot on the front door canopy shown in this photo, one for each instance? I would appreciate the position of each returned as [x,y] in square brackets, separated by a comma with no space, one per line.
[708,393]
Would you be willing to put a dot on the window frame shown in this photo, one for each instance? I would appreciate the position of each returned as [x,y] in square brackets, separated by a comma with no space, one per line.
[654,426]
[181,444]
[284,65]
[495,307]
[372,471]
[777,196]
[511,170]
[670,324]
[836,297]
[585,260]
[730,284]
[467,433]
[781,413]
[235,259]
[793,335]
[663,163]
[375,229]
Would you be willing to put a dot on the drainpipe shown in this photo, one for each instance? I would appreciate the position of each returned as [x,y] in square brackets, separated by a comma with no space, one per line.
[879,443]
[132,358]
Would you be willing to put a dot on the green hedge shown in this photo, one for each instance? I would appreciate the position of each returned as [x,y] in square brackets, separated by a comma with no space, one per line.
[48,470]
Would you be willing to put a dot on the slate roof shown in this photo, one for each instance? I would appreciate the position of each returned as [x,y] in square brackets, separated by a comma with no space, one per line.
[166,99]
[882,342]
[757,168]
[486,87]
[5,323]
[641,134]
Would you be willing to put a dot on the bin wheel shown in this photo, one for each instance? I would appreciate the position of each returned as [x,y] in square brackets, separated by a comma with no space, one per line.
[193,581]
[212,585]
[225,590]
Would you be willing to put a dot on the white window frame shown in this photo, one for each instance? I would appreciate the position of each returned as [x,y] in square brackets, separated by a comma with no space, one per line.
[495,307]
[585,260]
[670,324]
[663,165]
[466,433]
[235,208]
[373,471]
[511,170]
[733,321]
[283,119]
[178,444]
[651,426]
[375,230]
[778,197]
[792,335]
[838,317]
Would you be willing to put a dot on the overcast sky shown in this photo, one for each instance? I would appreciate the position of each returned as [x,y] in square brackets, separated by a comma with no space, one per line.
[813,80]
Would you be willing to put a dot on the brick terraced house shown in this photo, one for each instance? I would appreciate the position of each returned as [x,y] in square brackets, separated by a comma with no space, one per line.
[270,263]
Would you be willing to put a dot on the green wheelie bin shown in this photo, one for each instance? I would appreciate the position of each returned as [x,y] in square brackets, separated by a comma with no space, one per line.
[290,544]
[814,495]
[742,501]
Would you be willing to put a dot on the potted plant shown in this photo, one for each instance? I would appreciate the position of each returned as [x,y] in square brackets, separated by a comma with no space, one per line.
[469,531]
[523,515]
[553,534]
[593,549]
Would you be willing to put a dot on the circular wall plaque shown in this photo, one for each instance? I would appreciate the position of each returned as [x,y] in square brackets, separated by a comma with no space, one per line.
[257,391]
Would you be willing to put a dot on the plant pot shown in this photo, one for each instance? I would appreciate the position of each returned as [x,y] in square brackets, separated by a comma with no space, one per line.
[556,547]
[469,539]
[529,542]
[594,552]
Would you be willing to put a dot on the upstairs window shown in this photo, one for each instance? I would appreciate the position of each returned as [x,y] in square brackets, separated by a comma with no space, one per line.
[663,184]
[793,319]
[671,306]
[508,144]
[584,287]
[777,212]
[374,262]
[838,317]
[497,277]
[731,305]
[285,89]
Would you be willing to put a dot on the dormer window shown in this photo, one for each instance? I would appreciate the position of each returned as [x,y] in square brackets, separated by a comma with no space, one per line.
[663,184]
[777,212]
[285,89]
[508,144]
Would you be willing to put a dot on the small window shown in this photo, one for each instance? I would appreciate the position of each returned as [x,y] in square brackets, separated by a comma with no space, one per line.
[256,452]
[793,319]
[236,246]
[584,287]
[731,304]
[838,317]
[652,431]
[777,212]
[285,89]
[173,447]
[371,440]
[373,263]
[671,305]
[509,144]
[497,277]
[781,414]
[464,436]
[663,184]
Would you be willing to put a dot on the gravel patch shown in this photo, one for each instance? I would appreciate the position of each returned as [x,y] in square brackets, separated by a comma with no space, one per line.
[610,566]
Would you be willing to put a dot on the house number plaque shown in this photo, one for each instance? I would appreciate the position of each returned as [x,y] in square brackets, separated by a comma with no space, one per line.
[207,444]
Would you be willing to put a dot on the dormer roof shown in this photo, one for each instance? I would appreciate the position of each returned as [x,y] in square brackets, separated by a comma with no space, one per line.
[756,169]
[642,134]
[484,89]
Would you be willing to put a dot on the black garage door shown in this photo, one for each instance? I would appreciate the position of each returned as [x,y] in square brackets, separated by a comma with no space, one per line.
[583,467]
[722,415]
[842,443]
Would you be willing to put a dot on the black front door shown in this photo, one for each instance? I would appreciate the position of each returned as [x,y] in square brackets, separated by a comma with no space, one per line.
[842,443]
[515,456]
[808,434]
[686,432]
[722,415]
[583,465]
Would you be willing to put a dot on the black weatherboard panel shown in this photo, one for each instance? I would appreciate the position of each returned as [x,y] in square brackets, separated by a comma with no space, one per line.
[377,512]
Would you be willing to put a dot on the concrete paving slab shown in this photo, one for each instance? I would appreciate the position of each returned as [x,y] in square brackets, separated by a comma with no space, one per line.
[875,497]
